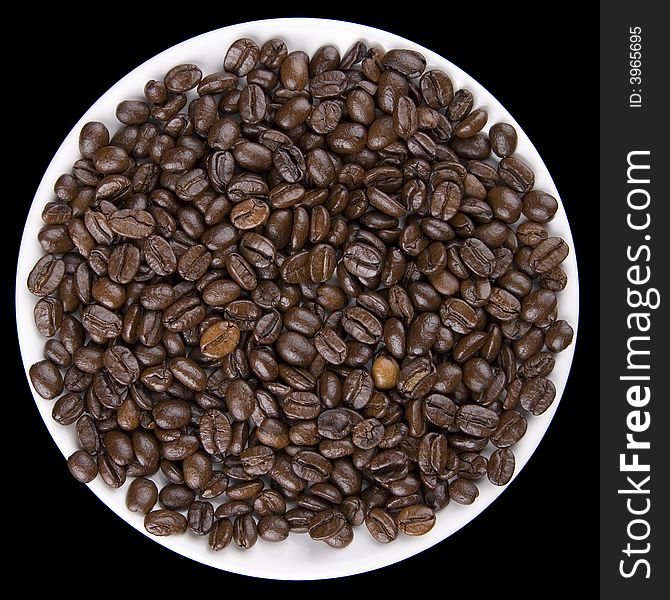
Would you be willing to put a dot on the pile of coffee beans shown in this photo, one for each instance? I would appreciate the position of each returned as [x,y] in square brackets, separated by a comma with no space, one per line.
[298,295]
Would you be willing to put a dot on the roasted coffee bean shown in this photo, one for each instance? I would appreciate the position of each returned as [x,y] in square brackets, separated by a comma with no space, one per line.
[548,254]
[142,495]
[245,532]
[241,57]
[516,174]
[82,466]
[201,518]
[433,454]
[310,271]
[240,400]
[437,89]
[273,528]
[463,491]
[537,394]
[503,139]
[458,315]
[67,409]
[539,206]
[295,349]
[326,524]
[46,275]
[165,522]
[511,428]
[476,420]
[501,466]
[189,373]
[46,379]
[176,496]
[417,519]
[362,325]
[301,405]
[113,474]
[381,525]
[471,466]
[559,336]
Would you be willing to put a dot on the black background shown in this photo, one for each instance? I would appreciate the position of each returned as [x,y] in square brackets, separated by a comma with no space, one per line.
[543,530]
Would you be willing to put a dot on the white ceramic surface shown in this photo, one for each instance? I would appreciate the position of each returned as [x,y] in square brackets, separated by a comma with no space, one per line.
[298,557]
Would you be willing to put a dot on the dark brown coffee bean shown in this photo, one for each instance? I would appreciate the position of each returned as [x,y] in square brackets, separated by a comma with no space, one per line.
[326,524]
[46,276]
[221,534]
[142,495]
[220,339]
[501,466]
[82,466]
[417,519]
[113,474]
[294,71]
[296,349]
[458,315]
[516,174]
[503,139]
[67,409]
[362,325]
[165,522]
[537,394]
[273,528]
[476,420]
[189,373]
[548,254]
[559,336]
[381,525]
[46,379]
[463,491]
[437,89]
[309,271]
[241,57]
[182,78]
[245,532]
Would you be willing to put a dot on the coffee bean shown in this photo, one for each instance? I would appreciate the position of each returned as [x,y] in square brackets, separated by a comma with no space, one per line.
[503,139]
[241,57]
[516,174]
[417,519]
[326,524]
[463,491]
[559,336]
[165,522]
[476,420]
[273,528]
[548,254]
[245,532]
[220,339]
[501,466]
[381,525]
[67,409]
[537,394]
[221,534]
[142,495]
[46,379]
[82,466]
[511,428]
[539,206]
[189,373]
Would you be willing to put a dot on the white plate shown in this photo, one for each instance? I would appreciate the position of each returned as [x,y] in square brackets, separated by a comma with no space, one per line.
[298,557]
